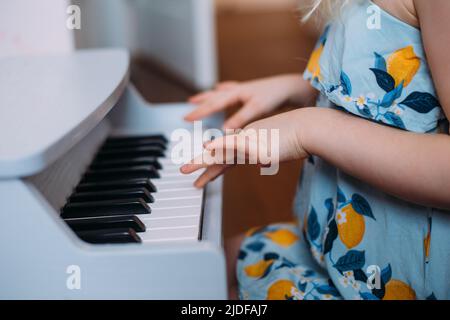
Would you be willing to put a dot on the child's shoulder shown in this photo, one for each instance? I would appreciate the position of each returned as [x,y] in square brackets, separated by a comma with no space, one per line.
[404,10]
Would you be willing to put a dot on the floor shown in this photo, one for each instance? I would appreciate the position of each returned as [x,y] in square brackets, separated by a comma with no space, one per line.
[250,45]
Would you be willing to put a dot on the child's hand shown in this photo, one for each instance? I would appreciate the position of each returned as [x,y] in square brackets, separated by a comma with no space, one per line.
[257,99]
[284,142]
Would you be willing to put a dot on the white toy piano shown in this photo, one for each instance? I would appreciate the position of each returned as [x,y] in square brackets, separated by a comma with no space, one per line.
[92,205]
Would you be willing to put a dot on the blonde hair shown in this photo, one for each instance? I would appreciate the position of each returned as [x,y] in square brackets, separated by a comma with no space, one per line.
[324,9]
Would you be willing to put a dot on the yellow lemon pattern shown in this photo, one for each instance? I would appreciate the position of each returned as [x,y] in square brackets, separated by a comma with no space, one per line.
[281,290]
[426,245]
[314,63]
[313,66]
[427,241]
[392,73]
[351,226]
[398,290]
[262,259]
[258,269]
[403,65]
[282,237]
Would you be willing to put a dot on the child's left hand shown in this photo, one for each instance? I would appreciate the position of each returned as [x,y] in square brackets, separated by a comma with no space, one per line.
[282,142]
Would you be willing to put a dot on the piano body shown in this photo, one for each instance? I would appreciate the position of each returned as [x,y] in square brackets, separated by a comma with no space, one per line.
[83,159]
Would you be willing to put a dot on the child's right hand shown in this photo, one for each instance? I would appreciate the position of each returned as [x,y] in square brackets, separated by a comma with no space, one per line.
[225,152]
[256,98]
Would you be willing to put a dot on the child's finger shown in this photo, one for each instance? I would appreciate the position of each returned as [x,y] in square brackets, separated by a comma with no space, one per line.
[221,142]
[200,97]
[210,174]
[241,117]
[197,113]
[241,147]
[194,165]
[226,85]
[228,143]
[206,159]
[216,103]
[224,147]
[205,144]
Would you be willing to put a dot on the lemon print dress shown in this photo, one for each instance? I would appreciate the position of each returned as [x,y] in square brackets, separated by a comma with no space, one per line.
[350,240]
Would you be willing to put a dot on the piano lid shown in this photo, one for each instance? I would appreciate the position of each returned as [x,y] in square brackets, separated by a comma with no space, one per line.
[49,103]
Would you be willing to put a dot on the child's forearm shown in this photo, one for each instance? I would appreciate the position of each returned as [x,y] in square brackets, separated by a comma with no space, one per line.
[413,167]
[300,91]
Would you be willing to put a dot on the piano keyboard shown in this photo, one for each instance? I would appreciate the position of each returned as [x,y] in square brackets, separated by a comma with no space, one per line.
[132,192]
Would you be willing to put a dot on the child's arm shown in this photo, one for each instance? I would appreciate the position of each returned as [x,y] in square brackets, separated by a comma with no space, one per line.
[434,18]
[414,167]
[411,166]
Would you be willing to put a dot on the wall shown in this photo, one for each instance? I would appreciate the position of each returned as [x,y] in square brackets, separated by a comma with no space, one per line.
[107,23]
[177,34]
[256,5]
[34,27]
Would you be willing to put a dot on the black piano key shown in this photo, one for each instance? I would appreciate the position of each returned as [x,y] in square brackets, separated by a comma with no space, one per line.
[157,137]
[105,208]
[103,236]
[116,185]
[133,144]
[130,152]
[139,193]
[120,163]
[121,173]
[86,224]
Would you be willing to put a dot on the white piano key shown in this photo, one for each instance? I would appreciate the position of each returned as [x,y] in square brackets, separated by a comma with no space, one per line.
[172,222]
[168,161]
[176,203]
[175,189]
[169,176]
[179,178]
[177,174]
[158,213]
[178,194]
[179,240]
[170,234]
[171,169]
[172,184]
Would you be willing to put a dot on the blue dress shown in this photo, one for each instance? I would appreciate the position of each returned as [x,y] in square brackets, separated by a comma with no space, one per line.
[350,240]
